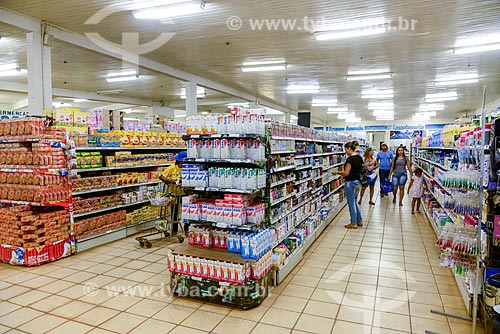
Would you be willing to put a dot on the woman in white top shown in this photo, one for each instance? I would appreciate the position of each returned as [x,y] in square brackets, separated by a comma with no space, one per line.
[371,165]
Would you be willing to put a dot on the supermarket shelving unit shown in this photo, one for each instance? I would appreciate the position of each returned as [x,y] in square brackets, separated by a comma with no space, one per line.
[102,237]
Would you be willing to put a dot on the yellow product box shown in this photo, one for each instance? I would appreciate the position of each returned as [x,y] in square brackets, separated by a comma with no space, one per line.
[64,116]
[110,161]
[81,118]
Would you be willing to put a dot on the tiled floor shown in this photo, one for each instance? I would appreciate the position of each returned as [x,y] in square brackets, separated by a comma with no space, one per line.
[382,278]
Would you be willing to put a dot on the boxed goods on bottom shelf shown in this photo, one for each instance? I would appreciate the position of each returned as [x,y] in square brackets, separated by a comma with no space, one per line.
[35,256]
[219,270]
[145,213]
[287,248]
[101,223]
[27,227]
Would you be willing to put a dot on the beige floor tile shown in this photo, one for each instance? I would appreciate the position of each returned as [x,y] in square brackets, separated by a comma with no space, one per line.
[391,258]
[365,270]
[119,272]
[416,260]
[362,289]
[153,326]
[328,296]
[75,292]
[80,277]
[50,303]
[71,327]
[6,308]
[321,257]
[391,306]
[61,273]
[100,268]
[344,327]
[266,329]
[99,331]
[13,291]
[336,275]
[465,329]
[121,302]
[298,291]
[355,300]
[424,311]
[337,266]
[37,282]
[331,284]
[420,325]
[137,264]
[254,314]
[19,317]
[186,302]
[72,309]
[441,271]
[391,321]
[392,293]
[425,298]
[363,279]
[452,301]
[309,271]
[314,324]
[305,281]
[20,277]
[367,262]
[155,268]
[369,256]
[203,320]
[280,318]
[4,329]
[397,283]
[97,297]
[369,250]
[378,330]
[186,330]
[392,265]
[97,315]
[356,315]
[412,276]
[344,259]
[423,286]
[445,280]
[56,286]
[457,311]
[42,324]
[29,297]
[322,309]
[146,308]
[123,322]
[316,264]
[230,325]
[290,303]
[174,313]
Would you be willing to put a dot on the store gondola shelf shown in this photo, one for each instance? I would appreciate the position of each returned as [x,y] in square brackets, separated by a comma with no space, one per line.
[283,152]
[83,214]
[282,169]
[228,136]
[103,169]
[135,148]
[226,161]
[275,184]
[226,190]
[279,200]
[434,163]
[303,167]
[304,180]
[97,190]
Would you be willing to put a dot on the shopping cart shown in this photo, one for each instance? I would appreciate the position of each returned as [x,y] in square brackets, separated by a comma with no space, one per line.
[169,210]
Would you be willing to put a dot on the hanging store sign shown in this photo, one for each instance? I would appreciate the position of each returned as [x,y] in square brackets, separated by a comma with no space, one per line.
[6,114]
[401,135]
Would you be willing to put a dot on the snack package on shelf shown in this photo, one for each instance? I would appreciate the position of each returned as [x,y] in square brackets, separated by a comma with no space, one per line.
[92,225]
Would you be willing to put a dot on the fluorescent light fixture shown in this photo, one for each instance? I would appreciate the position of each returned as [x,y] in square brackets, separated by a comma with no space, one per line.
[431,107]
[431,113]
[324,102]
[178,9]
[457,79]
[383,112]
[341,30]
[377,91]
[61,105]
[346,115]
[380,105]
[242,104]
[385,118]
[271,111]
[353,120]
[378,96]
[11,73]
[303,89]
[481,43]
[110,92]
[421,117]
[475,49]
[369,77]
[456,82]
[440,99]
[264,62]
[126,73]
[337,109]
[120,79]
[180,116]
[200,92]
[8,67]
[80,100]
[267,68]
[205,113]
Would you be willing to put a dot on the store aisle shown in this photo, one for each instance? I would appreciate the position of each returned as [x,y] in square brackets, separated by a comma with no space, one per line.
[382,278]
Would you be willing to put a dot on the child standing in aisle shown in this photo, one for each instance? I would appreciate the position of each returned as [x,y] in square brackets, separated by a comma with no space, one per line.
[416,189]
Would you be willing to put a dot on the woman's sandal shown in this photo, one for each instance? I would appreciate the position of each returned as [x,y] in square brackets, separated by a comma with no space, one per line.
[351,226]
[372,203]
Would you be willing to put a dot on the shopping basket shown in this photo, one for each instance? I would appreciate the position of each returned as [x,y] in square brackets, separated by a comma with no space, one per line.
[387,186]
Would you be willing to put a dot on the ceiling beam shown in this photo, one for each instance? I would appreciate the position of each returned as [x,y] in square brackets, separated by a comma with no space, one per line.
[20,104]
[112,50]
[61,92]
[20,21]
[205,102]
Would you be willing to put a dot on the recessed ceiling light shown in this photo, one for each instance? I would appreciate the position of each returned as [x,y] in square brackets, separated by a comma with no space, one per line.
[109,92]
[179,8]
[481,43]
[303,89]
[264,68]
[343,30]
[119,79]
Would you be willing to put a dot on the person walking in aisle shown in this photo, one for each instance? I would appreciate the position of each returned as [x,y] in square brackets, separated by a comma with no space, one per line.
[384,161]
[416,189]
[370,165]
[352,176]
[399,174]
[172,177]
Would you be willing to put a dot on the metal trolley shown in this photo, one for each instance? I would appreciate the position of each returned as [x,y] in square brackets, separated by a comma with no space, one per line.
[169,210]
